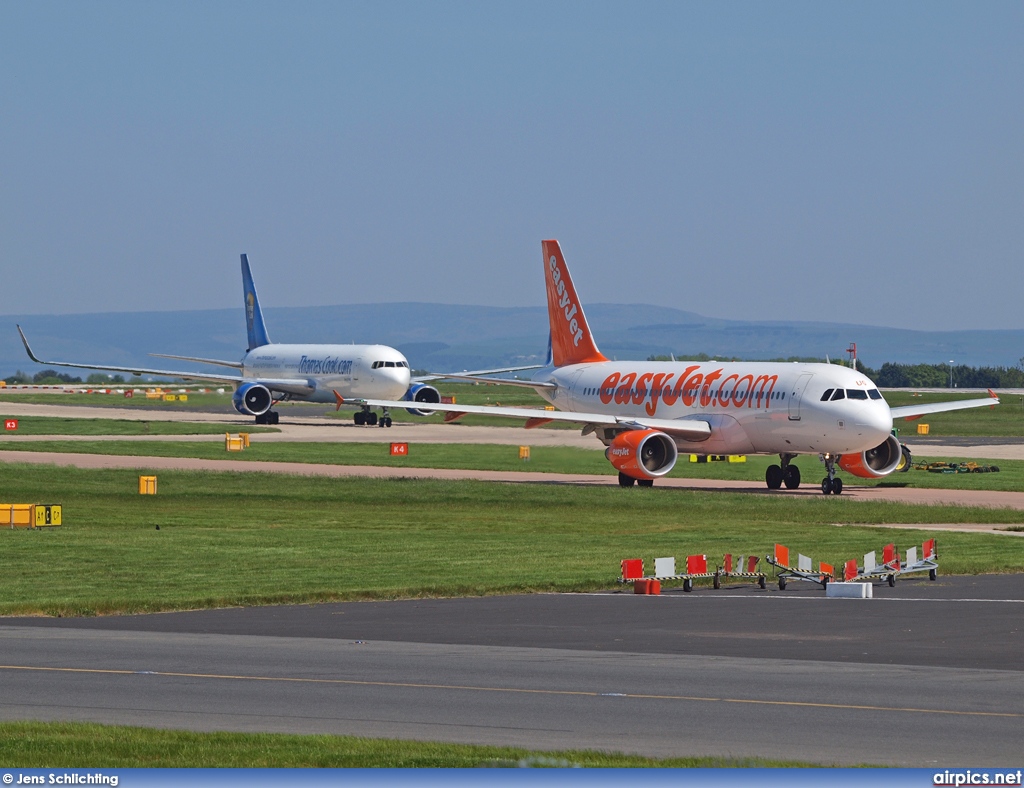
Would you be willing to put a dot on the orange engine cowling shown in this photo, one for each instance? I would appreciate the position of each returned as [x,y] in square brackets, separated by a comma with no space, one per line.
[642,454]
[874,463]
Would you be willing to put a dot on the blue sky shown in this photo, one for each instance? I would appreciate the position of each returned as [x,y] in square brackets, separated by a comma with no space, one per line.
[855,162]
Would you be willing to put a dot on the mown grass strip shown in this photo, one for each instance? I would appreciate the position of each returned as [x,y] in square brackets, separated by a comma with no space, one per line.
[51,425]
[36,745]
[244,539]
[543,459]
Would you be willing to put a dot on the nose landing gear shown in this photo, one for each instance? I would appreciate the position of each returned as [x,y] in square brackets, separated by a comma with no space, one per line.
[831,483]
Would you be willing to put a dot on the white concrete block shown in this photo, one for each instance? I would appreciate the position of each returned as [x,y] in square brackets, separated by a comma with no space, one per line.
[848,590]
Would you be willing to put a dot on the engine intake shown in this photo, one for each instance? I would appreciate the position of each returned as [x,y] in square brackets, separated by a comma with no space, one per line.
[642,454]
[874,463]
[252,399]
[421,392]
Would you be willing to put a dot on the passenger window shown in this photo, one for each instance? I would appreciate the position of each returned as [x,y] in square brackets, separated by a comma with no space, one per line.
[826,395]
[840,394]
[856,394]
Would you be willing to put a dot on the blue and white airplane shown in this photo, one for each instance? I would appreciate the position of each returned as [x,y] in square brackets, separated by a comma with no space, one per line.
[270,373]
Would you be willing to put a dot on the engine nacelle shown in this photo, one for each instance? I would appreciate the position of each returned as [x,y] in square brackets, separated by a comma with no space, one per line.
[874,463]
[252,399]
[421,392]
[642,454]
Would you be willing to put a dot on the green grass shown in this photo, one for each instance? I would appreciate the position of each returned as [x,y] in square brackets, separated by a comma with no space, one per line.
[37,745]
[49,425]
[543,459]
[243,539]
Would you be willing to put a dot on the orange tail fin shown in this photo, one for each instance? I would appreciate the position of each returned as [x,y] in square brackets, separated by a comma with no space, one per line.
[571,340]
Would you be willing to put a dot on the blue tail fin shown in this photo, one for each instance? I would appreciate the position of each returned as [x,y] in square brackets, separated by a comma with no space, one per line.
[253,314]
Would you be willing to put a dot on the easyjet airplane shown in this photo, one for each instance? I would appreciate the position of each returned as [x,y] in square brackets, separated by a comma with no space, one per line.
[271,373]
[646,412]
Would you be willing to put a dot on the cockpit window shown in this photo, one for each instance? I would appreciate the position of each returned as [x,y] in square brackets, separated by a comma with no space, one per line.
[874,393]
[389,363]
[826,395]
[856,394]
[840,394]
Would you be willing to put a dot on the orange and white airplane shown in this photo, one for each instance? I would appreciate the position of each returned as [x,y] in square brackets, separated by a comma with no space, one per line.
[646,412]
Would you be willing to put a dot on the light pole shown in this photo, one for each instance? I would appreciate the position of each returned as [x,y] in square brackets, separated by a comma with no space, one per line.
[951,373]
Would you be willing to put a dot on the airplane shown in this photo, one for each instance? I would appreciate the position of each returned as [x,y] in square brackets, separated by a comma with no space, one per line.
[646,412]
[270,372]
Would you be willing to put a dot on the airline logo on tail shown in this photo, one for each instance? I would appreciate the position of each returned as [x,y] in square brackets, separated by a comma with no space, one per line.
[571,340]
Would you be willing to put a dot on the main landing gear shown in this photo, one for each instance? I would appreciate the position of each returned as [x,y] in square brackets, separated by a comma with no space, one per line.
[787,474]
[367,418]
[831,483]
[270,417]
[629,481]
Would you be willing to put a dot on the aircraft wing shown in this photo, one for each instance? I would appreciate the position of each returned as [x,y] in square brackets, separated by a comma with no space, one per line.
[482,375]
[915,411]
[688,429]
[298,386]
[214,361]
[482,378]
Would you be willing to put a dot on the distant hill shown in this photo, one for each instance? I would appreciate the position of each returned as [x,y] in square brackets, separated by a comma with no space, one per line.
[442,337]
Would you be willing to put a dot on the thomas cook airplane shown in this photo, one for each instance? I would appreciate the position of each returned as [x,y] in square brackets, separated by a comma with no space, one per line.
[270,373]
[646,412]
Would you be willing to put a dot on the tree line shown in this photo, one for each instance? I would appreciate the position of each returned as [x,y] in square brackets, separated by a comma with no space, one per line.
[905,376]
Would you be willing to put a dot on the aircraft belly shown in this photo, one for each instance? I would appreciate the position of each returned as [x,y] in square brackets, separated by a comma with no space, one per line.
[727,437]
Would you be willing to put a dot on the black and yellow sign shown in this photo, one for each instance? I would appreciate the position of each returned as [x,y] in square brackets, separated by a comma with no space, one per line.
[47,515]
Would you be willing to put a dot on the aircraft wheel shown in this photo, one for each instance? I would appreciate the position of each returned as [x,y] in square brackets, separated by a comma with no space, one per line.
[275,417]
[826,486]
[773,477]
[387,421]
[371,419]
[645,482]
[791,477]
[626,481]
[837,486]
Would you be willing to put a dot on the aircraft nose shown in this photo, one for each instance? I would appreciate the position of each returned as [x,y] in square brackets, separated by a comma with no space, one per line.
[876,419]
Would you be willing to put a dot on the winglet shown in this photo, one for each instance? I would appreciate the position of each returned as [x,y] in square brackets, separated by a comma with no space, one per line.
[340,399]
[994,396]
[28,350]
[254,325]
[571,340]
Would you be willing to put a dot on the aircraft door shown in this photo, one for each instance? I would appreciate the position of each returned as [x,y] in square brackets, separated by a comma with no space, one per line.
[797,394]
[575,397]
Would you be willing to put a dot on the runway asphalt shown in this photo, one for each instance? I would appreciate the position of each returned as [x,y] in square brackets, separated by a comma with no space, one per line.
[925,674]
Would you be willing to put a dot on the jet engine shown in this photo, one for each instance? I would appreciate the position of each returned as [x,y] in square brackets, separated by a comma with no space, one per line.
[874,463]
[421,392]
[642,454]
[252,399]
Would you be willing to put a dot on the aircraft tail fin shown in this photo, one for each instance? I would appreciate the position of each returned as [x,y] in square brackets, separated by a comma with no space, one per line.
[254,325]
[571,340]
